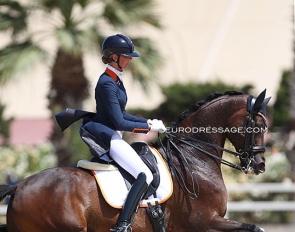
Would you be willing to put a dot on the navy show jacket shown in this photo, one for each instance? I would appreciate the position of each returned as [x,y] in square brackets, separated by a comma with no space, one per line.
[111,115]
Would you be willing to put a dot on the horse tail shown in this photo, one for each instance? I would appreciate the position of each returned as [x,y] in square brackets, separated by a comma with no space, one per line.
[6,190]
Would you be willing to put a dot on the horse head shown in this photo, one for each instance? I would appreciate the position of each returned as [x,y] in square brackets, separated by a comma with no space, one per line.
[251,124]
[238,117]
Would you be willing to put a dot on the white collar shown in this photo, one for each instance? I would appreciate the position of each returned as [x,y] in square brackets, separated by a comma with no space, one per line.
[117,72]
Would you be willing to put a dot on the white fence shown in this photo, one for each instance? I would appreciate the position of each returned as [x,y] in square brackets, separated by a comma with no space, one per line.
[249,205]
[259,188]
[3,209]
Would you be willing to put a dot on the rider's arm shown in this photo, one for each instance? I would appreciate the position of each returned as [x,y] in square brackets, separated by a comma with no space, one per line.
[108,90]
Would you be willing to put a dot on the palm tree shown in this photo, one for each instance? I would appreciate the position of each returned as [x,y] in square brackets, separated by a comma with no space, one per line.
[76,26]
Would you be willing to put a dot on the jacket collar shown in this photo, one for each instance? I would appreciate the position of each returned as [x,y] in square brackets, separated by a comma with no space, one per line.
[113,73]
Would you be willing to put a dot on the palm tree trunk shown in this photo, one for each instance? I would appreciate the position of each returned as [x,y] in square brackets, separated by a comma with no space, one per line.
[68,89]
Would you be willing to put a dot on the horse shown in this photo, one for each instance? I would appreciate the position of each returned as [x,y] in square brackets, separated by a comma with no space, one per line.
[69,199]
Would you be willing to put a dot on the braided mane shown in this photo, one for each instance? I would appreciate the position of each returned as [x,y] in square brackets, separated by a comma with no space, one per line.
[200,103]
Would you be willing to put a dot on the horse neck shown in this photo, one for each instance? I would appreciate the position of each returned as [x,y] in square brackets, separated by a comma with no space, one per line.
[214,115]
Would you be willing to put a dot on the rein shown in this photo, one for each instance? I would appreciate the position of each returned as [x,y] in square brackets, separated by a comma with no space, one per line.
[171,138]
[180,179]
[195,192]
[185,139]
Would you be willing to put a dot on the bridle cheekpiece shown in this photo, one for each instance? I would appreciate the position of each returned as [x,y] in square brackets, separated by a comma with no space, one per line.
[255,106]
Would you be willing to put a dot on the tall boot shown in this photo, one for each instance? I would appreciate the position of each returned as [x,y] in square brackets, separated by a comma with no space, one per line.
[134,196]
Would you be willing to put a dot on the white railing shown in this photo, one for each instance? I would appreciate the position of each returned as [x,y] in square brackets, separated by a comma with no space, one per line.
[3,209]
[259,188]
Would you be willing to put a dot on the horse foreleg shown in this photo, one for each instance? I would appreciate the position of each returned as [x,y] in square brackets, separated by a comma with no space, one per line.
[219,223]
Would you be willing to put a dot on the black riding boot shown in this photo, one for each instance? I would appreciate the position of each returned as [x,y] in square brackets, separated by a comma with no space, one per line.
[134,196]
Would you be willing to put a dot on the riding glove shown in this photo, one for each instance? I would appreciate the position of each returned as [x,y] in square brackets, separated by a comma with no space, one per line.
[157,125]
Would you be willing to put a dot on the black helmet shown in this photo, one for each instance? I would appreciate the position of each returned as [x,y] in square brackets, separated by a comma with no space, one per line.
[118,44]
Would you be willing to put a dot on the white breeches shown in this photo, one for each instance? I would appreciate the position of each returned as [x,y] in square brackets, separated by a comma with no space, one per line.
[122,153]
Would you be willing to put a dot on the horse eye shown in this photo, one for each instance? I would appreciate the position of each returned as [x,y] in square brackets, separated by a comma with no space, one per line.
[260,128]
[260,125]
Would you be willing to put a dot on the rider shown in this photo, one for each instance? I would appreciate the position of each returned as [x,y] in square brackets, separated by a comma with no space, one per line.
[111,119]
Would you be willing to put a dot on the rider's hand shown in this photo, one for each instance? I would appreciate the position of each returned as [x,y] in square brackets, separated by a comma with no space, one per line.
[157,125]
[154,121]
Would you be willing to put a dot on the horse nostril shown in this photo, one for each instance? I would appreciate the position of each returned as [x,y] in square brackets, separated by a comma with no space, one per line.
[260,167]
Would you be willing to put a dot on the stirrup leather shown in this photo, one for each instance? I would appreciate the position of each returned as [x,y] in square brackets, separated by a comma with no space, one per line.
[156,216]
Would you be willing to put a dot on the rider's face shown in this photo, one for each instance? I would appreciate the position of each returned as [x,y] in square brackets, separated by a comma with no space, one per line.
[123,61]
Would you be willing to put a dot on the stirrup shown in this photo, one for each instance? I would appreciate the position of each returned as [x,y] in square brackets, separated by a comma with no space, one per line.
[122,227]
[156,216]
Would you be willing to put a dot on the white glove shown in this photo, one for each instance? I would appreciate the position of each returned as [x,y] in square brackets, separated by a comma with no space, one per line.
[157,125]
[151,122]
[155,121]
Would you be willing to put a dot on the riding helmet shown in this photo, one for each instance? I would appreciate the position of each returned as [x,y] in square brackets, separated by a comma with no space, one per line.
[118,44]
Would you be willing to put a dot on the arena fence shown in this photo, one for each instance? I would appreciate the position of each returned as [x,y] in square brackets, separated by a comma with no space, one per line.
[3,209]
[259,188]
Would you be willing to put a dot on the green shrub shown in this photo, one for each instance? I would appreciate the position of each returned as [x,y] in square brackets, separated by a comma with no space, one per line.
[23,161]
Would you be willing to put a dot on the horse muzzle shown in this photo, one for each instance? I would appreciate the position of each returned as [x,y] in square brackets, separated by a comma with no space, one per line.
[259,166]
[253,161]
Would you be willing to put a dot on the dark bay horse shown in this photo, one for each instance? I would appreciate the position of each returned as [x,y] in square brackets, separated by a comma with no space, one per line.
[69,199]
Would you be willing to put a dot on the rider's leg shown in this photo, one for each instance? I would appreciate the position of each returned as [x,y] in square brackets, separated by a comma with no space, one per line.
[127,158]
[134,196]
[123,154]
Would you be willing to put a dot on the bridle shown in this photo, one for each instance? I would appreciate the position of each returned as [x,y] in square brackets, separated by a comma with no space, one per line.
[250,150]
[246,154]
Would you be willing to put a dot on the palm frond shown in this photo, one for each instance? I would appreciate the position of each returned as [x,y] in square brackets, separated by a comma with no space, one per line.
[74,41]
[143,68]
[125,12]
[13,16]
[19,57]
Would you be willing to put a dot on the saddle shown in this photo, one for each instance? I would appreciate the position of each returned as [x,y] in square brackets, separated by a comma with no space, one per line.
[144,152]
[146,155]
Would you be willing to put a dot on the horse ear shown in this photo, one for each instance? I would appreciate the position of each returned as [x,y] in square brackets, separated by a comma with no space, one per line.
[266,101]
[263,106]
[259,100]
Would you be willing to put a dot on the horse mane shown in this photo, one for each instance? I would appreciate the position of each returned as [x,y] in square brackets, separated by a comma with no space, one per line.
[200,103]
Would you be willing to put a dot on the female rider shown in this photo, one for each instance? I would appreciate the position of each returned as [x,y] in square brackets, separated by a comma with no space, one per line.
[111,120]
